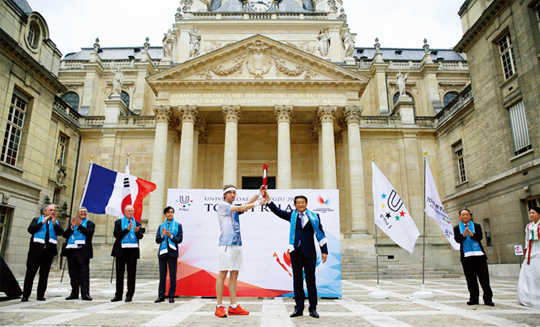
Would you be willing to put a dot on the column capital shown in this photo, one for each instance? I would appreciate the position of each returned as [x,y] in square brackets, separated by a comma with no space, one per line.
[326,113]
[283,113]
[352,114]
[189,113]
[231,113]
[162,114]
[200,123]
[203,136]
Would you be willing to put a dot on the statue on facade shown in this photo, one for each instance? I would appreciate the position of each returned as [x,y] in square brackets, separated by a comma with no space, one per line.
[307,5]
[342,15]
[400,82]
[118,82]
[377,45]
[96,45]
[146,44]
[194,42]
[348,43]
[168,41]
[324,42]
[332,5]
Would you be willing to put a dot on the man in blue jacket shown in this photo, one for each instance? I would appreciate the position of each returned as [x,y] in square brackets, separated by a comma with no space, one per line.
[304,224]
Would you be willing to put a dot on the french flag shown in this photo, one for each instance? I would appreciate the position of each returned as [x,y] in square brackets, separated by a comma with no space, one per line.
[108,192]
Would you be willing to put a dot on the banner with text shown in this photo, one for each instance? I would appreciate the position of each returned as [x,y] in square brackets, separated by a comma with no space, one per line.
[267,268]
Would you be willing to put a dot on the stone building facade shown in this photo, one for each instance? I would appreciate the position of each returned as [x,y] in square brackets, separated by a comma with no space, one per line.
[41,133]
[494,131]
[235,84]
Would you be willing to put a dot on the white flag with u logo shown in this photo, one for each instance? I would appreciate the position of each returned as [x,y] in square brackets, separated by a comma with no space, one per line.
[390,212]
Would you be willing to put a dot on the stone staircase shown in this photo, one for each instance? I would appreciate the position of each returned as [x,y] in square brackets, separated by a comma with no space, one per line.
[357,264]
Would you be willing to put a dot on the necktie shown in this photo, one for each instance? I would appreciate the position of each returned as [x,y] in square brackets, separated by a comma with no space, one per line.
[303,219]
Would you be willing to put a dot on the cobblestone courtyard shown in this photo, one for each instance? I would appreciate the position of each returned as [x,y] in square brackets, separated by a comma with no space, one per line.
[448,308]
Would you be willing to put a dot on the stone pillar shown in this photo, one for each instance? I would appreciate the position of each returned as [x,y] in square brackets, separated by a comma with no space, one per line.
[283,117]
[326,115]
[356,170]
[405,108]
[114,107]
[159,163]
[231,114]
[188,115]
[198,124]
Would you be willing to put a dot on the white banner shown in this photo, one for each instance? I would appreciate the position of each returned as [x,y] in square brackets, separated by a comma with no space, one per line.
[435,209]
[391,215]
[267,270]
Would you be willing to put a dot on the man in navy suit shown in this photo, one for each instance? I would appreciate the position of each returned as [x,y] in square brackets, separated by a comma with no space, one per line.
[127,232]
[304,224]
[169,235]
[79,251]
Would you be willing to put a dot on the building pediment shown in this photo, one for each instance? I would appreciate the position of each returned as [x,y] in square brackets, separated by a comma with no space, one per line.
[258,60]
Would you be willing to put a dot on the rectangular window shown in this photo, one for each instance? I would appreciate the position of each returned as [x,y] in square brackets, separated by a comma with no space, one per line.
[460,159]
[5,217]
[62,147]
[506,51]
[254,183]
[487,230]
[520,131]
[14,129]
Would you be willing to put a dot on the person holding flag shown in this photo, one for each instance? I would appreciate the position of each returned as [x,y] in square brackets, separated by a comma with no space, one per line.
[473,258]
[168,236]
[44,230]
[127,232]
[79,251]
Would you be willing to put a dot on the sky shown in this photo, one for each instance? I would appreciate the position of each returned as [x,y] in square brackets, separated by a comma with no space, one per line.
[397,23]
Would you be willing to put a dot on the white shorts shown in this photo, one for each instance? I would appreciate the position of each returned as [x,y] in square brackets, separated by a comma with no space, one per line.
[230,257]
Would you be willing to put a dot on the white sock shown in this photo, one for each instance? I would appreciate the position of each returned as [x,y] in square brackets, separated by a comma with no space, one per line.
[234,306]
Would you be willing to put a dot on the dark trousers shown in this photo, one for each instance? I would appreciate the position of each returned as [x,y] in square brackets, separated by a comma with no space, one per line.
[35,262]
[121,262]
[300,265]
[79,273]
[163,262]
[473,268]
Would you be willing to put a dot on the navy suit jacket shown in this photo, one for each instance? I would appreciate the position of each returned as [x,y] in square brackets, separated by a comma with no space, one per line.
[88,231]
[119,233]
[477,236]
[176,239]
[304,237]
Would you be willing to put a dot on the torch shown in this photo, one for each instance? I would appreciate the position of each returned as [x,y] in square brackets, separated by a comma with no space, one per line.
[265,177]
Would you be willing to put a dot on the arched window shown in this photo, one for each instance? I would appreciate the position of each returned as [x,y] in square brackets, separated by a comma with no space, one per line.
[33,34]
[396,97]
[448,97]
[125,97]
[72,98]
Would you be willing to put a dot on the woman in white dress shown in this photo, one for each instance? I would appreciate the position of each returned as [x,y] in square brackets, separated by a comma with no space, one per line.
[528,292]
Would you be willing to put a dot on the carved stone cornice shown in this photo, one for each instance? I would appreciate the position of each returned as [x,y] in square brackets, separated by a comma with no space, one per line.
[326,113]
[352,114]
[231,113]
[283,113]
[162,114]
[189,113]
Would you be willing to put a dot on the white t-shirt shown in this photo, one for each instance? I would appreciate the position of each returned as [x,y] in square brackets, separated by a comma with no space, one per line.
[229,224]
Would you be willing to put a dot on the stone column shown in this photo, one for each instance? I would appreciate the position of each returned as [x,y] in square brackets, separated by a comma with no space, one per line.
[188,114]
[231,114]
[198,125]
[326,115]
[159,163]
[356,172]
[283,117]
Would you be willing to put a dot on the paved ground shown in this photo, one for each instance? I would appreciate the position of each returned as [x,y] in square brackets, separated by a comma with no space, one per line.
[448,308]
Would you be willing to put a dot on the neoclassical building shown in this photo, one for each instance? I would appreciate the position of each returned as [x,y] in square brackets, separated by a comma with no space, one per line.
[234,84]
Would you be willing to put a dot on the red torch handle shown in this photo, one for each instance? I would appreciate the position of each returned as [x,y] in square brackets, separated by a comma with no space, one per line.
[265,177]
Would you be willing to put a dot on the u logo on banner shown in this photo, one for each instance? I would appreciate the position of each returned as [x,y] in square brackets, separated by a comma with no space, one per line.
[391,199]
[182,200]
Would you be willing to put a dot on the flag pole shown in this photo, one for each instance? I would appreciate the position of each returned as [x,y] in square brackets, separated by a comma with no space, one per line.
[423,294]
[378,294]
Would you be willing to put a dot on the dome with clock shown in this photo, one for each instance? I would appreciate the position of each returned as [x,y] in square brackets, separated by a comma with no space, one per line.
[262,5]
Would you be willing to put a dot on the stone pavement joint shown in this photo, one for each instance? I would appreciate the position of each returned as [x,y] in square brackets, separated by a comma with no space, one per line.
[355,308]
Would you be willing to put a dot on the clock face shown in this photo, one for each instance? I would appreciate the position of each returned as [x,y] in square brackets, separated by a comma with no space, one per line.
[260,5]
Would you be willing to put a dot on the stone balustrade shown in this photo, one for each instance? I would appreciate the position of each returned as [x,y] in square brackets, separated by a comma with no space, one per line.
[255,16]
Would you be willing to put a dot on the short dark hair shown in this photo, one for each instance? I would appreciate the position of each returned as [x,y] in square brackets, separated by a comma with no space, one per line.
[535,208]
[459,212]
[167,209]
[299,197]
